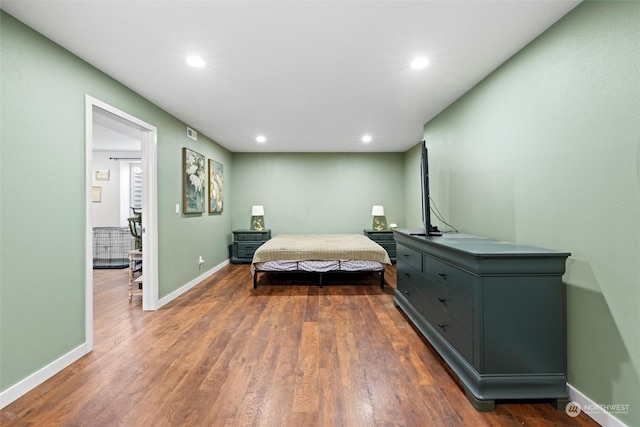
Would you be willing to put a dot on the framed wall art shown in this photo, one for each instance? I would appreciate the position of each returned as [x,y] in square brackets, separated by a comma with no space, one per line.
[96,194]
[194,181]
[103,175]
[216,187]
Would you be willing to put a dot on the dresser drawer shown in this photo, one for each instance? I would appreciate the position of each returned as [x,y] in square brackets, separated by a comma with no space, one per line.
[381,236]
[248,247]
[409,257]
[391,252]
[246,254]
[388,246]
[450,303]
[409,285]
[452,331]
[249,236]
[450,277]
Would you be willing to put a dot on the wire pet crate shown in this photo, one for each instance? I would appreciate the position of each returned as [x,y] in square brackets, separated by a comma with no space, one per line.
[111,246]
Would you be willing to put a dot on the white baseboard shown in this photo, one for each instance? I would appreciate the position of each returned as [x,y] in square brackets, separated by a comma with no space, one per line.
[175,294]
[21,388]
[597,412]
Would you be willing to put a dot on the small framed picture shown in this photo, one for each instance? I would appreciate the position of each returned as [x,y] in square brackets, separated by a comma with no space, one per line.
[103,175]
[96,194]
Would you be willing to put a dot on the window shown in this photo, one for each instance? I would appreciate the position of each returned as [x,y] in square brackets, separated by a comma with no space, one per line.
[136,185]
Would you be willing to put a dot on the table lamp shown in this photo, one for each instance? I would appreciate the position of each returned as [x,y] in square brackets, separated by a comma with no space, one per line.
[257,217]
[379,221]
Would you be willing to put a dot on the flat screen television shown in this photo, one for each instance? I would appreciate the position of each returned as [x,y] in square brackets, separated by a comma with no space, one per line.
[429,229]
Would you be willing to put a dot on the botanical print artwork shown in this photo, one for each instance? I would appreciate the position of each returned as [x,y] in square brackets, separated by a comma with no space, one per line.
[216,187]
[194,176]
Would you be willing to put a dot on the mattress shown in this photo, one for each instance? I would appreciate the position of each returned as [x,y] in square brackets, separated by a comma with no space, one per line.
[320,253]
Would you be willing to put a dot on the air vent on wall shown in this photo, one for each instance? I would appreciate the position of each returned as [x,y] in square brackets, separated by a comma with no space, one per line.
[192,134]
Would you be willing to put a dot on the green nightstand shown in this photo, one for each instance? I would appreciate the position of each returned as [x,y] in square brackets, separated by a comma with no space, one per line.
[385,239]
[245,243]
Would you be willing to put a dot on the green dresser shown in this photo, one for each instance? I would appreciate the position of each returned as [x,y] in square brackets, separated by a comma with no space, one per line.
[495,311]
[245,243]
[385,239]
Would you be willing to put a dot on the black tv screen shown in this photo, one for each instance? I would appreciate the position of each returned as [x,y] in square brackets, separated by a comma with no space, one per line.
[429,229]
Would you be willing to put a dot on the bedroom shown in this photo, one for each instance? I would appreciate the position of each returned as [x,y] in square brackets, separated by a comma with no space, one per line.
[580,95]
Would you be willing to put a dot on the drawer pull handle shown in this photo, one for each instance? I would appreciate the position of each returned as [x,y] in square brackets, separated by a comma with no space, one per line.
[443,301]
[444,276]
[407,275]
[407,292]
[442,326]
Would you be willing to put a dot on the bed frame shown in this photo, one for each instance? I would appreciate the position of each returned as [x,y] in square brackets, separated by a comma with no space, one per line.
[320,274]
[317,253]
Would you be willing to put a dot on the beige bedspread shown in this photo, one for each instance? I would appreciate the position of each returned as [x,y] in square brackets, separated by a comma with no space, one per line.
[300,247]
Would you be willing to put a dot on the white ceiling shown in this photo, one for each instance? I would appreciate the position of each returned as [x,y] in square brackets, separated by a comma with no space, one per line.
[312,76]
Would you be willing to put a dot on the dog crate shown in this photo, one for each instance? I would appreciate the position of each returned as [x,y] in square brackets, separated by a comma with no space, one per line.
[111,246]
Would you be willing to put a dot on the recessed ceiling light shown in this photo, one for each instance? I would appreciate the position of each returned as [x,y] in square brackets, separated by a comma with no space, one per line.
[261,138]
[420,63]
[366,138]
[195,61]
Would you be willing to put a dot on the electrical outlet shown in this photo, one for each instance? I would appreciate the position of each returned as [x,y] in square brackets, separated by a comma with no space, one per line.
[200,260]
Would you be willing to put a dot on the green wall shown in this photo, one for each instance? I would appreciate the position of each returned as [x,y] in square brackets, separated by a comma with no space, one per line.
[42,211]
[317,193]
[546,151]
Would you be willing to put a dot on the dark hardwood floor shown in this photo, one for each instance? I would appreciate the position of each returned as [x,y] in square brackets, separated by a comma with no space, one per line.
[286,354]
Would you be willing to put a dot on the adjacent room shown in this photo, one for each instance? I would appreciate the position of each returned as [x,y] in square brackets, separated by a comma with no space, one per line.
[320,213]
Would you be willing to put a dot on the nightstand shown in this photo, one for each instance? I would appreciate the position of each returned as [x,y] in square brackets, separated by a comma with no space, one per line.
[245,243]
[385,239]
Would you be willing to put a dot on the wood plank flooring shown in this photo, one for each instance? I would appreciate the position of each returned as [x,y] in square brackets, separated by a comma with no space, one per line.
[286,354]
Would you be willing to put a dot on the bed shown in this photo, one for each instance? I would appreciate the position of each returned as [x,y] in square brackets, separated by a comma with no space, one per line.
[319,253]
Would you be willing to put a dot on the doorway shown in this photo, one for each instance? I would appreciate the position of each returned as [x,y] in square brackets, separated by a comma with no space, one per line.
[98,113]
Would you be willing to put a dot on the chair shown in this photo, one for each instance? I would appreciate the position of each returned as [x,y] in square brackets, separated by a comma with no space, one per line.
[135,227]
[135,256]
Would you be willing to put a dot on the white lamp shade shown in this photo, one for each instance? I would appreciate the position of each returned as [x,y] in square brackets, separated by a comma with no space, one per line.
[378,210]
[257,210]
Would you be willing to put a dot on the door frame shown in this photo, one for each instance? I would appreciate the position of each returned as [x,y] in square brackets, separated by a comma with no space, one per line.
[149,207]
